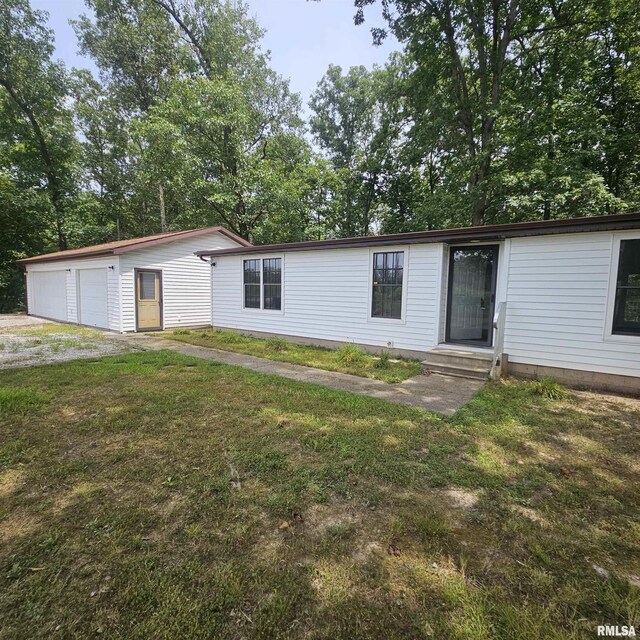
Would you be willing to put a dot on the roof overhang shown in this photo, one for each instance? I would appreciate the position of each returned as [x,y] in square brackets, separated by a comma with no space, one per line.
[450,236]
[114,248]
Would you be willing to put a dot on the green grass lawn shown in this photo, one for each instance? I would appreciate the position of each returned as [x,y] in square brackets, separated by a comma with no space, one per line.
[348,359]
[153,495]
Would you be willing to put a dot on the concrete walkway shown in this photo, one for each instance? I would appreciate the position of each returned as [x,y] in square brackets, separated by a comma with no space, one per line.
[442,394]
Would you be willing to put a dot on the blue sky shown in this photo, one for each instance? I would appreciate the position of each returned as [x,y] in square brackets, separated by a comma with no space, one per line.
[303,37]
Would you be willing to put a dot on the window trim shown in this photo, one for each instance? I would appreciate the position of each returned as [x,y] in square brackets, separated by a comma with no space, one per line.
[609,335]
[405,270]
[261,309]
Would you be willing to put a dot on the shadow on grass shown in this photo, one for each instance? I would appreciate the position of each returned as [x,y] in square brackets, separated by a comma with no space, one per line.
[156,495]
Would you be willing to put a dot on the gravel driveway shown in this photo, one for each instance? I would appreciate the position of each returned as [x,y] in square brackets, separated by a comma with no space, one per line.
[27,341]
[20,321]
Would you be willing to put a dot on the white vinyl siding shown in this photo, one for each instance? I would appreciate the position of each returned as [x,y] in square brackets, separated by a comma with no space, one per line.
[557,303]
[556,288]
[186,280]
[326,295]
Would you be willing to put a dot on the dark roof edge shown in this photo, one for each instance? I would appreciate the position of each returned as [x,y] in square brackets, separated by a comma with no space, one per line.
[463,234]
[58,258]
[142,244]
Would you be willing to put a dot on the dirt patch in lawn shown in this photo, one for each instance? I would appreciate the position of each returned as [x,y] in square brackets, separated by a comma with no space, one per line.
[25,346]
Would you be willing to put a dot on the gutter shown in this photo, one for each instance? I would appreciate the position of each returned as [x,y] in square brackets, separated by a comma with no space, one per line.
[465,235]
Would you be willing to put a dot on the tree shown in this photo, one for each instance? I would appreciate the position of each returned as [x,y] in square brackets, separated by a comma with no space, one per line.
[519,108]
[244,110]
[225,152]
[25,231]
[138,53]
[36,122]
[461,49]
[356,123]
[160,59]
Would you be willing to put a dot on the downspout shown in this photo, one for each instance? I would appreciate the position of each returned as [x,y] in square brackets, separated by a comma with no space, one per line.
[26,290]
[213,264]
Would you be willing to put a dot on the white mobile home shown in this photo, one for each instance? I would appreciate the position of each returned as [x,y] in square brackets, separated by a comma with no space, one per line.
[151,283]
[559,298]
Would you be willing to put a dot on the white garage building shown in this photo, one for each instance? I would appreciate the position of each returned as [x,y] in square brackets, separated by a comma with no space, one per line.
[143,284]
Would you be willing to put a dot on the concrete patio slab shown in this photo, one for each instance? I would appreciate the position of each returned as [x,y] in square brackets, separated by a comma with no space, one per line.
[438,393]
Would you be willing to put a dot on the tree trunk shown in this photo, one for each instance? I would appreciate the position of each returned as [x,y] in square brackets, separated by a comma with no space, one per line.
[478,210]
[163,212]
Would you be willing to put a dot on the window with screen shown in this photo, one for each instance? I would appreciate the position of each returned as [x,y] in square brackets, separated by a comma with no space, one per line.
[252,284]
[147,285]
[387,285]
[272,283]
[626,315]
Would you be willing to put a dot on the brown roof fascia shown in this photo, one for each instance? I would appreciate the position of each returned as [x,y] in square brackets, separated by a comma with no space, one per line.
[462,234]
[76,254]
[58,258]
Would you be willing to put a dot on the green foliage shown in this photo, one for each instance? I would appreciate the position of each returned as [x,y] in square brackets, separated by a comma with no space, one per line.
[513,111]
[277,344]
[549,388]
[38,148]
[355,122]
[350,354]
[493,112]
[350,359]
[383,360]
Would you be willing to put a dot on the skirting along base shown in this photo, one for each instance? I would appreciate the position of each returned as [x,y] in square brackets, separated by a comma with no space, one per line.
[577,378]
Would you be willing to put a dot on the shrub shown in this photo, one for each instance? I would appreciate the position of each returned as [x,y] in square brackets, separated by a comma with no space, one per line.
[350,354]
[549,388]
[383,361]
[276,344]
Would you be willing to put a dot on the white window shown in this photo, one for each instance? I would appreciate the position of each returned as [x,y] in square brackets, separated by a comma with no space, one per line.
[262,283]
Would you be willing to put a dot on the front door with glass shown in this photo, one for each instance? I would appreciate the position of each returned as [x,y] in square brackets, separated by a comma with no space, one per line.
[471,294]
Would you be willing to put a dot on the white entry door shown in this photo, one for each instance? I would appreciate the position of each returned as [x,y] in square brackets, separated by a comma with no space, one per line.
[92,298]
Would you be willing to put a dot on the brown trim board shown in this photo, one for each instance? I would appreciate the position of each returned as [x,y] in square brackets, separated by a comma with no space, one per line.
[464,234]
[124,246]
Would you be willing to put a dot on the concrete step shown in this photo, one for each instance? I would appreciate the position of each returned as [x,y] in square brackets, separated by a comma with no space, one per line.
[455,362]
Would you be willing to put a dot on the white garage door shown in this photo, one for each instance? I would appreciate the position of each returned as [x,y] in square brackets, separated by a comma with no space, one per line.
[49,294]
[92,297]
